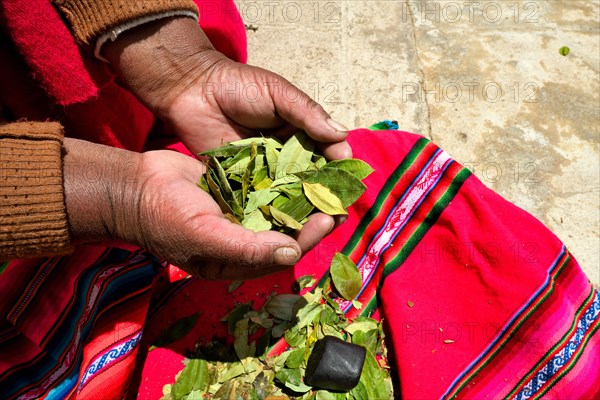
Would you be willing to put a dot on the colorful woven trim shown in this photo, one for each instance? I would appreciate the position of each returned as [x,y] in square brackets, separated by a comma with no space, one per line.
[408,205]
[385,125]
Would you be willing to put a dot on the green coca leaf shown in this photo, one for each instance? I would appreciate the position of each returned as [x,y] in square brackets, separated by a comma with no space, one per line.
[345,276]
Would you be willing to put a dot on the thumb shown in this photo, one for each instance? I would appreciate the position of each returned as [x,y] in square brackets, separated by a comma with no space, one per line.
[229,251]
[297,108]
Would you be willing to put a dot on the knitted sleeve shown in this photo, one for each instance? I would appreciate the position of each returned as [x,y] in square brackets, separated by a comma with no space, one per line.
[91,18]
[33,219]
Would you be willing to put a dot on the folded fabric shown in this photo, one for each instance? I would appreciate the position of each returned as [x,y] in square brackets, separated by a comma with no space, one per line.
[479,299]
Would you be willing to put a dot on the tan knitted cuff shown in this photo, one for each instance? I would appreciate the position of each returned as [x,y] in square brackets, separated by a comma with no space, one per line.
[91,18]
[33,219]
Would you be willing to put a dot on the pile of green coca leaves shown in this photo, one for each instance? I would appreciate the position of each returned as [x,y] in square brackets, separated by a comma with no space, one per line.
[245,372]
[263,184]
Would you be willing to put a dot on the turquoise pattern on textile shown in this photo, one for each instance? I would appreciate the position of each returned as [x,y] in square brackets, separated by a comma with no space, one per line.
[385,125]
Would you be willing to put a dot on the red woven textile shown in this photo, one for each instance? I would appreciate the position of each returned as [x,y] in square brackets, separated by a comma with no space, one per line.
[480,299]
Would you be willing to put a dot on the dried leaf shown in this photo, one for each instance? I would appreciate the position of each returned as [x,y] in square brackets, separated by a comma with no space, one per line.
[295,156]
[177,331]
[282,306]
[235,315]
[217,195]
[284,219]
[260,198]
[247,175]
[259,141]
[225,151]
[193,377]
[240,344]
[226,191]
[362,324]
[303,282]
[257,222]
[233,286]
[322,198]
[272,156]
[297,207]
[295,358]
[342,183]
[203,184]
[356,167]
[345,276]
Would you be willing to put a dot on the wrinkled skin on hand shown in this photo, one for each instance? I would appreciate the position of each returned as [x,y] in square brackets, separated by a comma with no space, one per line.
[173,69]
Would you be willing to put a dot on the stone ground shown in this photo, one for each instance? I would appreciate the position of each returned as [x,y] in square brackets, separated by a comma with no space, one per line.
[483,79]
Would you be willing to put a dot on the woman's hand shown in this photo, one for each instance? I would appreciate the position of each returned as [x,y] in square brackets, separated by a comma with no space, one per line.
[207,98]
[151,200]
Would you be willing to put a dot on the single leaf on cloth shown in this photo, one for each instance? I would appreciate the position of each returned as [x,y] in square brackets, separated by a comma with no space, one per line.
[257,222]
[343,184]
[177,331]
[322,198]
[233,286]
[295,155]
[284,219]
[235,315]
[282,306]
[356,167]
[240,343]
[346,277]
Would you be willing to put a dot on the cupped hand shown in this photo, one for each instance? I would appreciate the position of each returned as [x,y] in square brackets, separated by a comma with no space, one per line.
[151,200]
[209,99]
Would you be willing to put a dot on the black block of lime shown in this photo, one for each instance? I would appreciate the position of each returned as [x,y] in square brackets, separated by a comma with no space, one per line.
[334,364]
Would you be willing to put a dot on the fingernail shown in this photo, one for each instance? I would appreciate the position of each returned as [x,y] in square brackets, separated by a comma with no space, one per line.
[285,256]
[338,126]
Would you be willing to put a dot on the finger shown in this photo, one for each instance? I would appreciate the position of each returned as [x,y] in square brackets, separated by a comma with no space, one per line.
[336,151]
[300,110]
[231,244]
[315,229]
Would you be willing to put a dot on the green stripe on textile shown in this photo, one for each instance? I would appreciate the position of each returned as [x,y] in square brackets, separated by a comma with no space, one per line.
[373,212]
[3,267]
[510,334]
[389,185]
[570,365]
[427,223]
[369,308]
[564,339]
